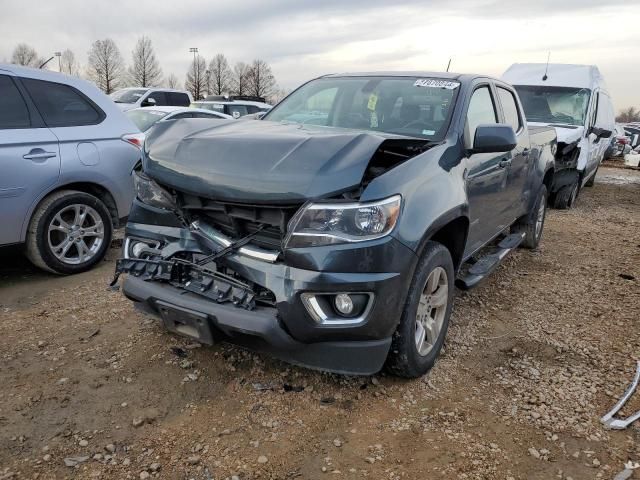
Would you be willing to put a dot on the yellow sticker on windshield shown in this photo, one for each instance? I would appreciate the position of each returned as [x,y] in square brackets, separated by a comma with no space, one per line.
[373,101]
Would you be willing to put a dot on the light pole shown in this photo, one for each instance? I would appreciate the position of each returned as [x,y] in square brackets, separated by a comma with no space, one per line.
[196,74]
[58,54]
[194,50]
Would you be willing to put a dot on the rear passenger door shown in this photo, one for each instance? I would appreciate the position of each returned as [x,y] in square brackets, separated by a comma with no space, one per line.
[29,158]
[74,119]
[516,192]
[486,175]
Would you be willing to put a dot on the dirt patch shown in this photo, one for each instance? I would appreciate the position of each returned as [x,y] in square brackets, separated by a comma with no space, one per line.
[533,358]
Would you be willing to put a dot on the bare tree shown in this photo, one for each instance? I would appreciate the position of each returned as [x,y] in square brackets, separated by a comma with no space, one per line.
[172,81]
[220,75]
[69,64]
[240,79]
[145,70]
[26,55]
[106,67]
[196,78]
[627,115]
[277,95]
[261,80]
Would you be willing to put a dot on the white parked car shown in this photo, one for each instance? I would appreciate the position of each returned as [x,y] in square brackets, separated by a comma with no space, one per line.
[235,108]
[136,97]
[145,118]
[575,101]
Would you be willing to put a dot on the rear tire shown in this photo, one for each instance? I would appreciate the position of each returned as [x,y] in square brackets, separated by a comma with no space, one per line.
[533,223]
[429,302]
[69,232]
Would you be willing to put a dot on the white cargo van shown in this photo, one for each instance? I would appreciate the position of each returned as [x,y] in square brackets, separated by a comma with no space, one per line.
[574,100]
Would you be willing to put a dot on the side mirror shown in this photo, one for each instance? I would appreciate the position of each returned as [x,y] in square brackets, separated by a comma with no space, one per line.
[601,132]
[494,138]
[148,102]
[259,115]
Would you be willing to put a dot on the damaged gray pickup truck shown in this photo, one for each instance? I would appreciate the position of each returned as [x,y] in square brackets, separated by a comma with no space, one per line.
[332,231]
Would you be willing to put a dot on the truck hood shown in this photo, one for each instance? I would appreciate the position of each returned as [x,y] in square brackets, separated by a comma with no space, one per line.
[259,161]
[565,134]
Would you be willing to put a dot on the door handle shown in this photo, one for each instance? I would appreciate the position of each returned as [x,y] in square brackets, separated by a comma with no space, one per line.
[505,162]
[38,154]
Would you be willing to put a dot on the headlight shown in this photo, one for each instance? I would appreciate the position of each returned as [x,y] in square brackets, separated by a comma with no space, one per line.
[150,193]
[330,223]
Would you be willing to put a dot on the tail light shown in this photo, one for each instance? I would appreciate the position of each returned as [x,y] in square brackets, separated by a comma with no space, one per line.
[135,139]
[623,140]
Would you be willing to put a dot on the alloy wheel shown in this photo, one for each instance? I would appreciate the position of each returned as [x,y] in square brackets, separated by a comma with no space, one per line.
[540,217]
[75,234]
[431,310]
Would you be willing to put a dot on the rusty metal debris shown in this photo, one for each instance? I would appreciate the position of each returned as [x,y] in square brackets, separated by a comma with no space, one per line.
[622,423]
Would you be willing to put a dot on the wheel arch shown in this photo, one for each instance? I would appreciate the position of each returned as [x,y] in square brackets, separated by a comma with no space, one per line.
[95,189]
[450,230]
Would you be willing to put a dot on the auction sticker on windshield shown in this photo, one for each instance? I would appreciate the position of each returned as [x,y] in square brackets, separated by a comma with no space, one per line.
[434,83]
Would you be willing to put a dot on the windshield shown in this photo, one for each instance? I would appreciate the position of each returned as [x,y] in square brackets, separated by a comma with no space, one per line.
[564,105]
[127,96]
[411,106]
[145,118]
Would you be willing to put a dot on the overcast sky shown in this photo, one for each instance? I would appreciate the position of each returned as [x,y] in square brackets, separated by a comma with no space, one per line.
[303,38]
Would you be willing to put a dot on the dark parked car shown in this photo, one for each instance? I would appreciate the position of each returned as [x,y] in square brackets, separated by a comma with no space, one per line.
[331,232]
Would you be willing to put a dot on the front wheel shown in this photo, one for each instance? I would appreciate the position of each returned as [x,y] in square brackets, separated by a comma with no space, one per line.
[566,197]
[69,232]
[591,182]
[533,224]
[425,319]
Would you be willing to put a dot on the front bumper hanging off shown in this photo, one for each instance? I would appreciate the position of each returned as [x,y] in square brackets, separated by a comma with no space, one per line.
[260,306]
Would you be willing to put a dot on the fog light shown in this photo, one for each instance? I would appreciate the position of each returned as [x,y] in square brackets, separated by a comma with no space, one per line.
[343,303]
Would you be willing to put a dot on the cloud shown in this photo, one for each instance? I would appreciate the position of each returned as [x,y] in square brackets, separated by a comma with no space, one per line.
[302,39]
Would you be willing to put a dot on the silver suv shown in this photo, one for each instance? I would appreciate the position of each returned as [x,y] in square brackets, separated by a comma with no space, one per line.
[66,155]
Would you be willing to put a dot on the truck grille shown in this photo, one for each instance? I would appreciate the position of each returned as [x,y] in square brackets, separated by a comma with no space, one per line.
[239,220]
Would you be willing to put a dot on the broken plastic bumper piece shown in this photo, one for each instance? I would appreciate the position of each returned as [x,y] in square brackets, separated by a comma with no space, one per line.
[191,278]
[622,423]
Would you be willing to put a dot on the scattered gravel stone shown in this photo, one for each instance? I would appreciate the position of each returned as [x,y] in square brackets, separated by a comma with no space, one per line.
[624,474]
[75,460]
[193,459]
[337,442]
[144,475]
[83,443]
[262,459]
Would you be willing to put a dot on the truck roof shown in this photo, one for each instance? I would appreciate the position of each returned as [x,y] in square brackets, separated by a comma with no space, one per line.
[461,77]
[558,75]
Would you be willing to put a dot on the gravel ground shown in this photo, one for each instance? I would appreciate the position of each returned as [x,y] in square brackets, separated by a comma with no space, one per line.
[92,389]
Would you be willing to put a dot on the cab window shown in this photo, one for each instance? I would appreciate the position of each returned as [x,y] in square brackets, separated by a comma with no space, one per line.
[481,111]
